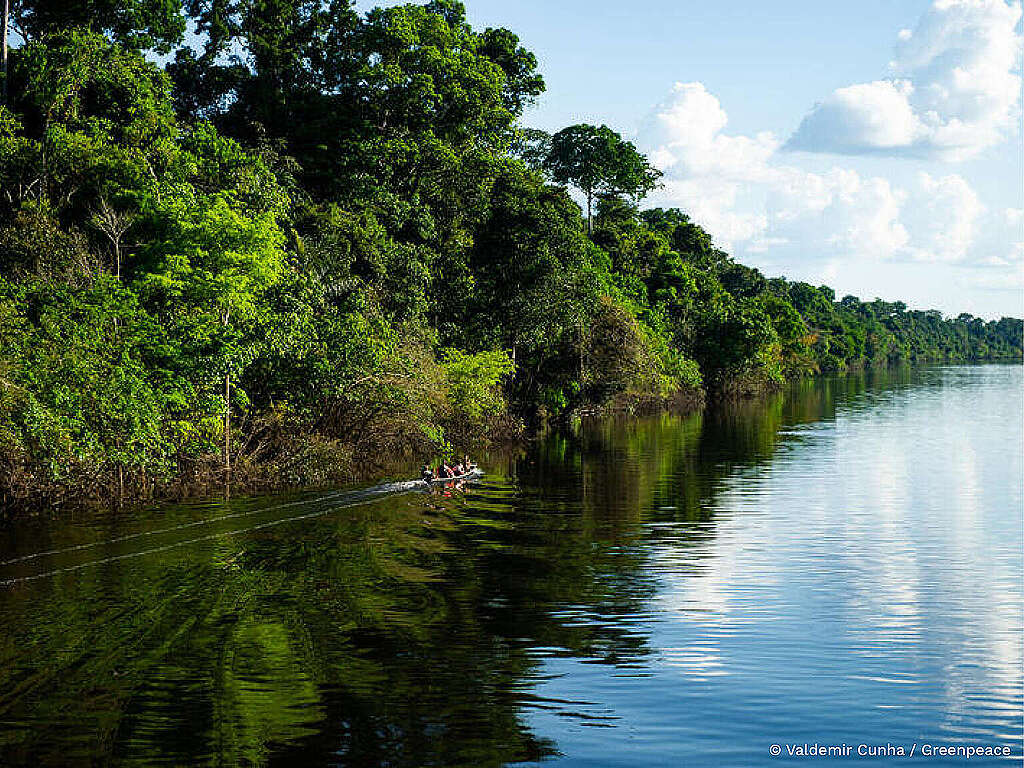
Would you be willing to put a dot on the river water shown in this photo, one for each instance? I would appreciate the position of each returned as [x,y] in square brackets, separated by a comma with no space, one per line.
[838,565]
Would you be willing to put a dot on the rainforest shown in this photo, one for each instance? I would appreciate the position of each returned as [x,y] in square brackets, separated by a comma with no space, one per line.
[282,242]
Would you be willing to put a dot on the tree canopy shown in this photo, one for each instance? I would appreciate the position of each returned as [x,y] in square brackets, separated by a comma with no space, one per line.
[597,160]
[318,236]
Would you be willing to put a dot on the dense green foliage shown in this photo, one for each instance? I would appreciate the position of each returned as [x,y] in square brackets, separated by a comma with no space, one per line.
[598,161]
[321,237]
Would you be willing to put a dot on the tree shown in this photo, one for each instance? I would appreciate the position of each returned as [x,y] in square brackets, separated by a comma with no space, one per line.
[325,233]
[532,146]
[688,239]
[597,160]
[214,254]
[136,24]
[113,224]
[523,83]
[270,66]
[94,120]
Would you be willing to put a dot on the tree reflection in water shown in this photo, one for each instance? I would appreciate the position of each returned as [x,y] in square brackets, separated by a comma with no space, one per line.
[406,632]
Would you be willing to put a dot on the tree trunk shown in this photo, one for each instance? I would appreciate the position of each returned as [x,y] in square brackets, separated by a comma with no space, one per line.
[227,428]
[581,353]
[590,215]
[3,65]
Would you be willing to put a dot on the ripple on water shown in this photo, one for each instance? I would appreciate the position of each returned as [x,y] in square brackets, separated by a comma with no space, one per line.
[842,564]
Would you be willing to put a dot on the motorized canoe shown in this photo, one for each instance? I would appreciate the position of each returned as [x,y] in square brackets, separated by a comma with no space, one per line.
[474,472]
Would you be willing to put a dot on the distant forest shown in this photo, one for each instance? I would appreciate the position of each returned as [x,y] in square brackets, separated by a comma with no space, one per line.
[301,239]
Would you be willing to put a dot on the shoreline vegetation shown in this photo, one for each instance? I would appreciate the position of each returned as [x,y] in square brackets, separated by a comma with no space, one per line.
[307,241]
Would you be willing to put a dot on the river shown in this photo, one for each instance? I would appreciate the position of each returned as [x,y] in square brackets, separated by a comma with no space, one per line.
[840,564]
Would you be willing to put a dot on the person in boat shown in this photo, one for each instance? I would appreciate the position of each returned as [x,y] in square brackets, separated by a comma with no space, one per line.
[448,471]
[426,473]
[467,464]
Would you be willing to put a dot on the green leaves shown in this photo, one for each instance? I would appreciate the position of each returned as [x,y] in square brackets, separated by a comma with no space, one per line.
[474,385]
[597,160]
[93,393]
[336,217]
[135,24]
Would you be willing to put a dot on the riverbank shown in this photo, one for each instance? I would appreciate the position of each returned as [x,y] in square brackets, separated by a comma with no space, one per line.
[281,462]
[273,460]
[196,292]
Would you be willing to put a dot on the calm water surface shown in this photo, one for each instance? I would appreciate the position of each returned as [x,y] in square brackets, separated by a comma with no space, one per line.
[841,564]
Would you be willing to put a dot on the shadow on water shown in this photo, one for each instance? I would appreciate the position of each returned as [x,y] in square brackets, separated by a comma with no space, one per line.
[410,630]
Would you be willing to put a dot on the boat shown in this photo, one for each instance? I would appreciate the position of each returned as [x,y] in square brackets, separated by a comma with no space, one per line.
[474,472]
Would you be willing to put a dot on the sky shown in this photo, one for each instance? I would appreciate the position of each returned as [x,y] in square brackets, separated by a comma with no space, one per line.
[875,146]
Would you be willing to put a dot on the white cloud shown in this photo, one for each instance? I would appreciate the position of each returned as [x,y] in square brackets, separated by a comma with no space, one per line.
[753,200]
[836,213]
[686,133]
[715,203]
[875,116]
[954,89]
[1001,241]
[943,219]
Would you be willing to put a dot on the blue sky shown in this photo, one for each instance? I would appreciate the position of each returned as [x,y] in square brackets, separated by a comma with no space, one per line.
[874,146]
[770,61]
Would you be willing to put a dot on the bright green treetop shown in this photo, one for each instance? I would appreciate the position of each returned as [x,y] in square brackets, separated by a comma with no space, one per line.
[597,160]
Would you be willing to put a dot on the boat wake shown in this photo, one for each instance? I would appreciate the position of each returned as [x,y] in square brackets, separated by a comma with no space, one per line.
[321,505]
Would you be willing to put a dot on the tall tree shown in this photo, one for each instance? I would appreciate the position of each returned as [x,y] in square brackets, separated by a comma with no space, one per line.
[597,160]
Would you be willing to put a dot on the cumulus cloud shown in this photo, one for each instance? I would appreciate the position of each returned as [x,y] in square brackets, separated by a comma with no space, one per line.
[838,213]
[745,192]
[1001,243]
[865,117]
[953,90]
[943,220]
[685,131]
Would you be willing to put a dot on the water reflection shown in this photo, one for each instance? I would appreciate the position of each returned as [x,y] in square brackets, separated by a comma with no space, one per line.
[841,561]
